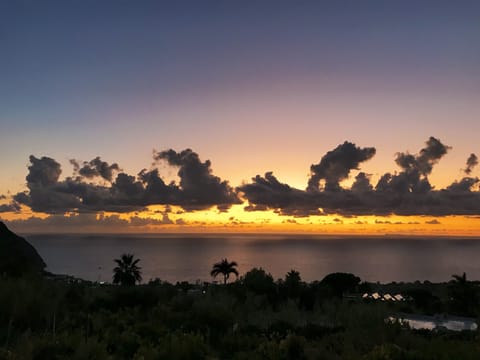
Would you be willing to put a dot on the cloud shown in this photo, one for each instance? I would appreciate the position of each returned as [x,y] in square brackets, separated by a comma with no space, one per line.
[95,168]
[388,222]
[12,207]
[362,183]
[43,172]
[472,161]
[73,222]
[268,193]
[198,187]
[180,222]
[407,192]
[433,222]
[86,222]
[96,186]
[139,221]
[336,165]
[415,169]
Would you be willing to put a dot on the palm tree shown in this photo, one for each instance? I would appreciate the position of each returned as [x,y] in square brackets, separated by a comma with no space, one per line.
[463,295]
[225,268]
[127,272]
[460,279]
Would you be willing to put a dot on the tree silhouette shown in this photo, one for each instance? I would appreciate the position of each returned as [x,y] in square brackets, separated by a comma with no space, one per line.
[341,283]
[127,272]
[463,295]
[460,279]
[293,283]
[259,281]
[225,268]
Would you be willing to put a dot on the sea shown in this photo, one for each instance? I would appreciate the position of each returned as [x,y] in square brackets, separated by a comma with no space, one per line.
[189,257]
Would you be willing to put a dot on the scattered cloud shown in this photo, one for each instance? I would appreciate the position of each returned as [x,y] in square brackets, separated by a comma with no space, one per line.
[85,222]
[472,161]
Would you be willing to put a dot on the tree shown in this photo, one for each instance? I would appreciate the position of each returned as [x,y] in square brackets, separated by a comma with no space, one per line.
[259,281]
[127,272]
[293,284]
[225,268]
[460,279]
[341,282]
[463,295]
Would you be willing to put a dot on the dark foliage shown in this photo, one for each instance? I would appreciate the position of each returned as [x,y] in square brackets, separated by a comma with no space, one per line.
[341,283]
[225,268]
[127,272]
[255,318]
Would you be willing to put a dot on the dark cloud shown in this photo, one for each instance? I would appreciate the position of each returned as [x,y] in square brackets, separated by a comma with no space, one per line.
[465,185]
[95,168]
[85,222]
[268,193]
[198,187]
[362,183]
[433,222]
[139,221]
[415,169]
[407,192]
[180,222]
[336,165]
[12,207]
[472,161]
[43,172]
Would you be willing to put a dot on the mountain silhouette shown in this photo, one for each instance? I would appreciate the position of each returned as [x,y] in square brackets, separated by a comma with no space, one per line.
[17,255]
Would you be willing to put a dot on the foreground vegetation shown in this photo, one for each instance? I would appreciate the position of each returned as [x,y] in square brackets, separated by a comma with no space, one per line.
[252,318]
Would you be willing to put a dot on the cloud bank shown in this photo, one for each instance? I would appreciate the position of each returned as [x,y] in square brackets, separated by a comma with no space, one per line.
[407,192]
[97,186]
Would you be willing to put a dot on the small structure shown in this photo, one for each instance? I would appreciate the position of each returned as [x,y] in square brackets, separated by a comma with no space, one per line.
[384,297]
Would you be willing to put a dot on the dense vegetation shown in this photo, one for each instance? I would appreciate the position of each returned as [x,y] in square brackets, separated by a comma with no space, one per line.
[252,318]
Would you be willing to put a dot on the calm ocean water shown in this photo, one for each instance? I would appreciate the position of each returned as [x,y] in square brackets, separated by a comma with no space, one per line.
[190,257]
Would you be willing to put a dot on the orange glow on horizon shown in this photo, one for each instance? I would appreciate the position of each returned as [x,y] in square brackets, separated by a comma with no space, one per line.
[237,220]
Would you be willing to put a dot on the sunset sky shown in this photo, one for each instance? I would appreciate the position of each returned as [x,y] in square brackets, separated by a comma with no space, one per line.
[351,117]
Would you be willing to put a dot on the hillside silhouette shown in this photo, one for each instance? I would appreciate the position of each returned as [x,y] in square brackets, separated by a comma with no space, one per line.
[17,255]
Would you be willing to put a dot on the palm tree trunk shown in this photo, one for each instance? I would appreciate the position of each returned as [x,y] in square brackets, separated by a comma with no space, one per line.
[224,279]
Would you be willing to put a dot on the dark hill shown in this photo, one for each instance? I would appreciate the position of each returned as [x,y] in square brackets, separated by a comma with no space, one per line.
[17,256]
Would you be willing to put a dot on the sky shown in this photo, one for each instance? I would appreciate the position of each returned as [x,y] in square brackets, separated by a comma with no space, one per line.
[240,116]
